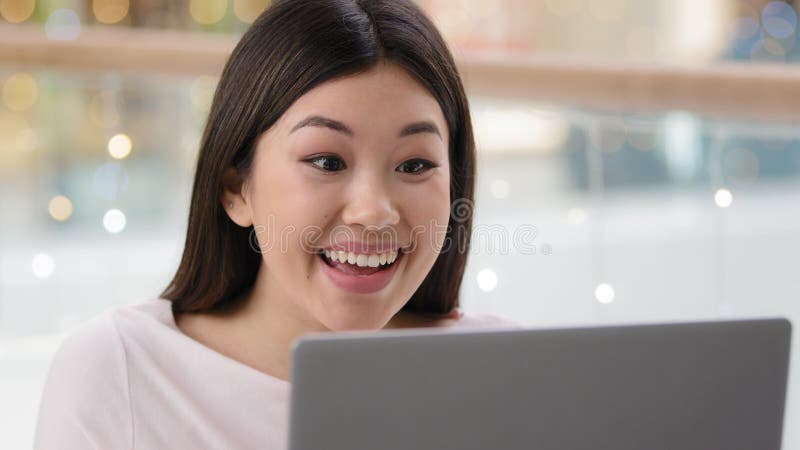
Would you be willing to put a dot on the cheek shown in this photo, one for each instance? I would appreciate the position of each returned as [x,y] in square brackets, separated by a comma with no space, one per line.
[301,210]
[427,212]
[283,209]
[285,191]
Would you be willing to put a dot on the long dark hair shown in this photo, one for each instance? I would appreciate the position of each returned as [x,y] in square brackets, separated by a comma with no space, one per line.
[292,47]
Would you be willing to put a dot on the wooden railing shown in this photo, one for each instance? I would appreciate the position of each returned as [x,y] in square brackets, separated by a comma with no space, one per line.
[730,90]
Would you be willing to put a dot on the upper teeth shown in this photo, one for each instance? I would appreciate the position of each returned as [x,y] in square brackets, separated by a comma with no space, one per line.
[362,260]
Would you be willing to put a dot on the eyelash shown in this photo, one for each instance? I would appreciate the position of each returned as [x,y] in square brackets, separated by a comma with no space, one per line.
[427,165]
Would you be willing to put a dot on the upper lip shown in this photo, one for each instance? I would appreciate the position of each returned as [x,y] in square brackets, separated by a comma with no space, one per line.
[363,248]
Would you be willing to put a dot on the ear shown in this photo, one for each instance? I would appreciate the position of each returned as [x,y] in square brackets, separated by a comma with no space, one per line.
[234,198]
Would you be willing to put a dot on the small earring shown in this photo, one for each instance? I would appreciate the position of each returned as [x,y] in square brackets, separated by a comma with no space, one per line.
[230,205]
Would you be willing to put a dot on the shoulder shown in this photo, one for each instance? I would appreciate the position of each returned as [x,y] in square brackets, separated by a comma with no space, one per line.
[85,398]
[98,346]
[97,336]
[94,349]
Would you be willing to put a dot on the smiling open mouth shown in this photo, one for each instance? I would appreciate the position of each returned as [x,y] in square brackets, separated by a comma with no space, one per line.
[360,265]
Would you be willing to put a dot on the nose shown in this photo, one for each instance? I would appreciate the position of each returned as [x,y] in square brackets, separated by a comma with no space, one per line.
[369,203]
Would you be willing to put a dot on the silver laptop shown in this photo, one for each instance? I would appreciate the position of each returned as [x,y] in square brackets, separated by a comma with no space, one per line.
[681,386]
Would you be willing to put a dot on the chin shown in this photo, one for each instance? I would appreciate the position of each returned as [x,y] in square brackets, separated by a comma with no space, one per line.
[355,324]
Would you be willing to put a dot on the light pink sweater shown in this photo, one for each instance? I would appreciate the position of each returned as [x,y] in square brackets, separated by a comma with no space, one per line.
[130,379]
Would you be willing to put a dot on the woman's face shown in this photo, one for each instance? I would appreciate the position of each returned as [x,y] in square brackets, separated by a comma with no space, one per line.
[357,160]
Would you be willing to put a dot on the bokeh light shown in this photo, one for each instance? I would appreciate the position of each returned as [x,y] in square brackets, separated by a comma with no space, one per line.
[248,10]
[208,12]
[16,11]
[119,146]
[63,25]
[43,265]
[20,92]
[604,293]
[723,198]
[110,11]
[114,221]
[779,19]
[487,280]
[60,208]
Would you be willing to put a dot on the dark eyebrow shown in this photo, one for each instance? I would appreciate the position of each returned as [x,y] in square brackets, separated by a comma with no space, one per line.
[319,121]
[424,126]
[420,127]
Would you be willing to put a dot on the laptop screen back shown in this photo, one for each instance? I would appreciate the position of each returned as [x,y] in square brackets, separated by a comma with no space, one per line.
[708,385]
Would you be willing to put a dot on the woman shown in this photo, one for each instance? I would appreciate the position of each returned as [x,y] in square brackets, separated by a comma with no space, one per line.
[338,140]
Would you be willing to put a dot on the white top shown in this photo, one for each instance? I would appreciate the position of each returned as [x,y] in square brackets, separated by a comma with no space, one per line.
[130,379]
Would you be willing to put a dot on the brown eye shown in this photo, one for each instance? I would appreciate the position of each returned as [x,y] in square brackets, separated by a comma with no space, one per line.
[327,163]
[416,166]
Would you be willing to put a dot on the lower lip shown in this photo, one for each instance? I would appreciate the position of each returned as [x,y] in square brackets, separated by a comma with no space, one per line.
[361,284]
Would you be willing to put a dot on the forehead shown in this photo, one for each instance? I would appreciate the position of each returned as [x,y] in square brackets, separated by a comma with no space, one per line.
[372,102]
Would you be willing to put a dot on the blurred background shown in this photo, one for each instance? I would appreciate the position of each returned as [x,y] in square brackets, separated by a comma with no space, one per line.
[646,153]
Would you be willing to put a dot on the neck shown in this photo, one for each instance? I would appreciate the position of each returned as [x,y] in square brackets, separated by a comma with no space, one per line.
[260,332]
[266,326]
